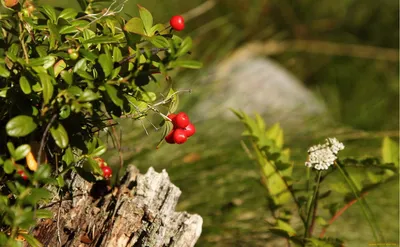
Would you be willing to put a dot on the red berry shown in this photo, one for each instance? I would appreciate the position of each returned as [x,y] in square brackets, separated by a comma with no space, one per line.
[177,22]
[170,137]
[171,116]
[179,136]
[181,120]
[22,174]
[107,172]
[190,130]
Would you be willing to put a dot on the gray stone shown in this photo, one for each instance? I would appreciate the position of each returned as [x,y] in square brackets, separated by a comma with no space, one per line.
[255,83]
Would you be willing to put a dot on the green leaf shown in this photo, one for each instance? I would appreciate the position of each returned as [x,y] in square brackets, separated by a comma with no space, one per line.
[67,76]
[99,151]
[68,156]
[80,65]
[20,126]
[49,12]
[65,111]
[147,19]
[45,62]
[68,29]
[168,126]
[4,72]
[158,27]
[159,41]
[101,40]
[113,93]
[58,67]
[390,151]
[88,95]
[106,64]
[91,165]
[60,135]
[135,25]
[88,55]
[42,50]
[276,134]
[8,166]
[148,97]
[68,14]
[117,55]
[11,148]
[84,75]
[185,47]
[36,195]
[47,86]
[54,37]
[24,84]
[60,181]
[43,214]
[43,173]
[24,219]
[22,151]
[173,97]
[190,64]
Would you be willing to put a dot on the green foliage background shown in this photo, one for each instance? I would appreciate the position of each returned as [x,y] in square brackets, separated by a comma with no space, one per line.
[216,177]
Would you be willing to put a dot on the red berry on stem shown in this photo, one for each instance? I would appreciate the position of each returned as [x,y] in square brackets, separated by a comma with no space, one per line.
[190,130]
[107,172]
[181,120]
[22,174]
[170,137]
[177,22]
[179,136]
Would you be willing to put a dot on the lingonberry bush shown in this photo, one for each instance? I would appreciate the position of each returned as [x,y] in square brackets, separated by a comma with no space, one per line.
[331,185]
[65,76]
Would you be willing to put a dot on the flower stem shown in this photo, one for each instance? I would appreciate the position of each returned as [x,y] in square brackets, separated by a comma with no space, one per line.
[311,205]
[364,206]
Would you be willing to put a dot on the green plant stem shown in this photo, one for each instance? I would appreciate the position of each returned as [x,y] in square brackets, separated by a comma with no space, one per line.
[311,206]
[363,204]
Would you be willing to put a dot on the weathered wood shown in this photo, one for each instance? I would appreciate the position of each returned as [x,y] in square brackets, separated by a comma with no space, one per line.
[142,215]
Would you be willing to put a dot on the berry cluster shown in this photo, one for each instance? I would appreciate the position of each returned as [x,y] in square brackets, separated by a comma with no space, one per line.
[183,128]
[107,172]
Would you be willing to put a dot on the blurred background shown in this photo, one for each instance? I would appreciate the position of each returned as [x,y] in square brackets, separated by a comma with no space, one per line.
[320,68]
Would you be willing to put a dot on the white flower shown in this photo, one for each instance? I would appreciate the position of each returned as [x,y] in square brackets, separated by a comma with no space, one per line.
[322,156]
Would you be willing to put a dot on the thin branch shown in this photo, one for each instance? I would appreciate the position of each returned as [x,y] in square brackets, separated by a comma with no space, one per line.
[314,214]
[339,213]
[21,39]
[322,47]
[199,10]
[42,141]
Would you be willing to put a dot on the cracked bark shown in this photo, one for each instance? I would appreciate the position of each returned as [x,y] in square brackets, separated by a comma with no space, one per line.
[144,215]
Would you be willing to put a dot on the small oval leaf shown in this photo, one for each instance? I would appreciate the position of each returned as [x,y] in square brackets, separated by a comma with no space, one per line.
[60,135]
[20,126]
[135,25]
[22,151]
[24,84]
[106,64]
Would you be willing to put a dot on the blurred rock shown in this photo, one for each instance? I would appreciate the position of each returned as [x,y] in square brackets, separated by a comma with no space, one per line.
[254,83]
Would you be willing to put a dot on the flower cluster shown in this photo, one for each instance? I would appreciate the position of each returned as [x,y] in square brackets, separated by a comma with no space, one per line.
[322,156]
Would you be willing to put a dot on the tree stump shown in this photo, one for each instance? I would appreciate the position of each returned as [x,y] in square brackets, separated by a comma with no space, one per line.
[141,212]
